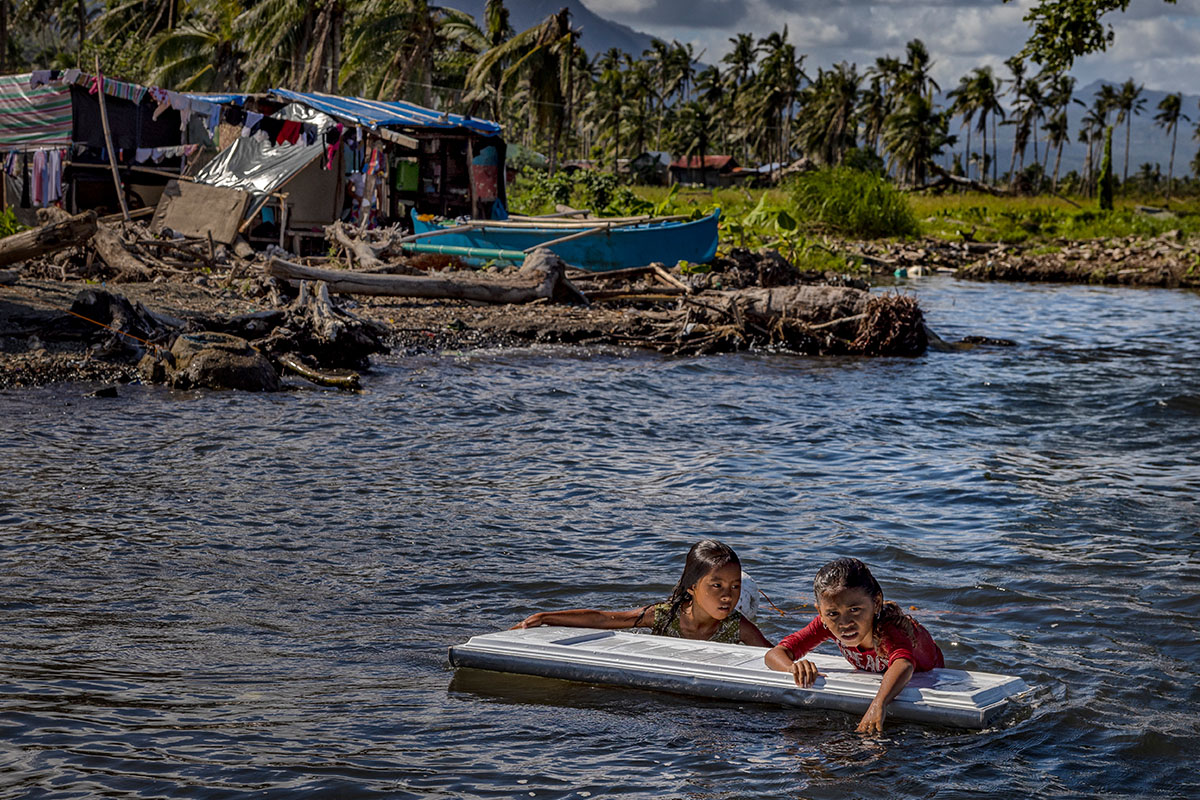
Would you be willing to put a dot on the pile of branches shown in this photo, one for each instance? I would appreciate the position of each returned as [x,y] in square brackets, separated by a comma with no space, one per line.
[812,320]
[117,251]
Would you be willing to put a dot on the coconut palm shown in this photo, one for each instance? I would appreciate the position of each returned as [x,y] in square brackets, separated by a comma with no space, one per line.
[963,105]
[828,126]
[541,58]
[202,54]
[692,132]
[915,134]
[294,44]
[494,32]
[1170,111]
[779,85]
[985,90]
[1129,103]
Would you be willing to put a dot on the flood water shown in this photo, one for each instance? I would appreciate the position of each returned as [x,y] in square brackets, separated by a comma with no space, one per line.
[225,595]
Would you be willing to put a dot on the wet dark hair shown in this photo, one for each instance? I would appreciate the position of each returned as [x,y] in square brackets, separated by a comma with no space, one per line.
[850,573]
[704,557]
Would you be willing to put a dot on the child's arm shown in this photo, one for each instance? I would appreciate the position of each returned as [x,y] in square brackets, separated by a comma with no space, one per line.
[804,672]
[897,676]
[591,618]
[749,634]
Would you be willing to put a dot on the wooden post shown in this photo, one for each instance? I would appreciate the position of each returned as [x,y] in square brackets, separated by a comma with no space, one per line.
[283,219]
[112,157]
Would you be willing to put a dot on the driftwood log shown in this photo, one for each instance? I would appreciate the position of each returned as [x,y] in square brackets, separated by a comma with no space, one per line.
[541,278]
[108,244]
[330,336]
[58,234]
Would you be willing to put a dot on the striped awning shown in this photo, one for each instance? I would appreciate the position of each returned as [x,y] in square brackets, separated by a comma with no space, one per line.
[391,113]
[33,118]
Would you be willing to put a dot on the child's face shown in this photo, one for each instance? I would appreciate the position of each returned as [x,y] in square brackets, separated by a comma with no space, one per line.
[718,592]
[849,614]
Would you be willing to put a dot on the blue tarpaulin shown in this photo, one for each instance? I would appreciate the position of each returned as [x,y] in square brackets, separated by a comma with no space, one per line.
[376,113]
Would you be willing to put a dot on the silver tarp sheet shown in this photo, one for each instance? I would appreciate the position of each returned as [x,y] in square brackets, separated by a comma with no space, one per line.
[261,167]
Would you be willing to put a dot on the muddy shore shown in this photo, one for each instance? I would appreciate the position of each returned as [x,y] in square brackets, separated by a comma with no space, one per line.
[41,342]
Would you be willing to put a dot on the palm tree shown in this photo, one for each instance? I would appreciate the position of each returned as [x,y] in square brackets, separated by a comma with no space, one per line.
[828,126]
[1058,132]
[494,32]
[542,57]
[296,44]
[201,54]
[780,75]
[873,110]
[693,131]
[915,135]
[985,90]
[914,77]
[710,89]
[963,105]
[1129,103]
[1170,110]
[608,99]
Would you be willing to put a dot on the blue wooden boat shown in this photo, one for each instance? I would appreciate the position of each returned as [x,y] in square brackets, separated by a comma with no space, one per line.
[618,246]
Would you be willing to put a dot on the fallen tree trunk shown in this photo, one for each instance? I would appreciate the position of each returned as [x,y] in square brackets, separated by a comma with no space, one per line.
[542,277]
[108,245]
[60,234]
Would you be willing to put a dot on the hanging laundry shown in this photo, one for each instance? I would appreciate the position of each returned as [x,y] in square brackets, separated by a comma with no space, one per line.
[39,167]
[272,126]
[290,132]
[71,75]
[39,77]
[142,155]
[54,164]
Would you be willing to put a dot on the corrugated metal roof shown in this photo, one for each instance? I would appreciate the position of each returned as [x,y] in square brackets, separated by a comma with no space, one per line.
[374,113]
[710,162]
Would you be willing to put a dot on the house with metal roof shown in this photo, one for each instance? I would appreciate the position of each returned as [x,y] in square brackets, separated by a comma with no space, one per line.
[438,162]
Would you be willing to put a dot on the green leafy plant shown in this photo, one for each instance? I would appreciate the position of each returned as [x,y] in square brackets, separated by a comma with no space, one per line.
[851,202]
[8,223]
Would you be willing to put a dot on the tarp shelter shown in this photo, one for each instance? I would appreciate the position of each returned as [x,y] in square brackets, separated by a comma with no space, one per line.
[310,174]
[54,146]
[439,163]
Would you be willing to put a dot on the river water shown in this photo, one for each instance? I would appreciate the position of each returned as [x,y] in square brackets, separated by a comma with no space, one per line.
[226,595]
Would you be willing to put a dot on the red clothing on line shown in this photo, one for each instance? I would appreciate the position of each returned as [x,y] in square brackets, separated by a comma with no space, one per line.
[924,653]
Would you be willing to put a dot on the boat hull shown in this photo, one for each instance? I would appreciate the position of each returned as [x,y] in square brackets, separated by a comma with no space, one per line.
[667,243]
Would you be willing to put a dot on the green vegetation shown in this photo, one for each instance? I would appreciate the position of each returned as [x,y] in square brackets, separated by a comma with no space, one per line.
[9,224]
[851,203]
[987,218]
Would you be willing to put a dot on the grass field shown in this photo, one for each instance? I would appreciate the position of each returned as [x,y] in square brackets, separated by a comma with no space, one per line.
[804,226]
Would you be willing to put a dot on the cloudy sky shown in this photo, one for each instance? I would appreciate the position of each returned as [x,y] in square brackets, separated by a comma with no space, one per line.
[1157,44]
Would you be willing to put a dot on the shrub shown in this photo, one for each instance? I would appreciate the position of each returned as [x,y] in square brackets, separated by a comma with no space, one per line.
[852,203]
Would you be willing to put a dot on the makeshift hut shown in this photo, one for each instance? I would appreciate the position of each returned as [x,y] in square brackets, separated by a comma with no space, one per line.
[651,168]
[56,148]
[434,162]
[709,171]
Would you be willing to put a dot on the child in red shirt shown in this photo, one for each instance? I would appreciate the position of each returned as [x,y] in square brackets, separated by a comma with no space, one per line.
[873,635]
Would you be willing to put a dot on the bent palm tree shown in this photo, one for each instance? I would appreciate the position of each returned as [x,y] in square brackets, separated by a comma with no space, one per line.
[1170,110]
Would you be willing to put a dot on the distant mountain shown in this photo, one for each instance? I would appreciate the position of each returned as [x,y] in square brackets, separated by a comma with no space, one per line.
[597,34]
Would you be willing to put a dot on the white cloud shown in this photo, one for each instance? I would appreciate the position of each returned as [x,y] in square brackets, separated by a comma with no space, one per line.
[1156,43]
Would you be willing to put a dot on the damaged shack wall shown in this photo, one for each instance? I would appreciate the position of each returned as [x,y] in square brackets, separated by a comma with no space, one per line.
[132,126]
[315,194]
[487,176]
[460,174]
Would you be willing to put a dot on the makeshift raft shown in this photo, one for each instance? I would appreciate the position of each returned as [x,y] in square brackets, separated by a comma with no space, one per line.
[732,672]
